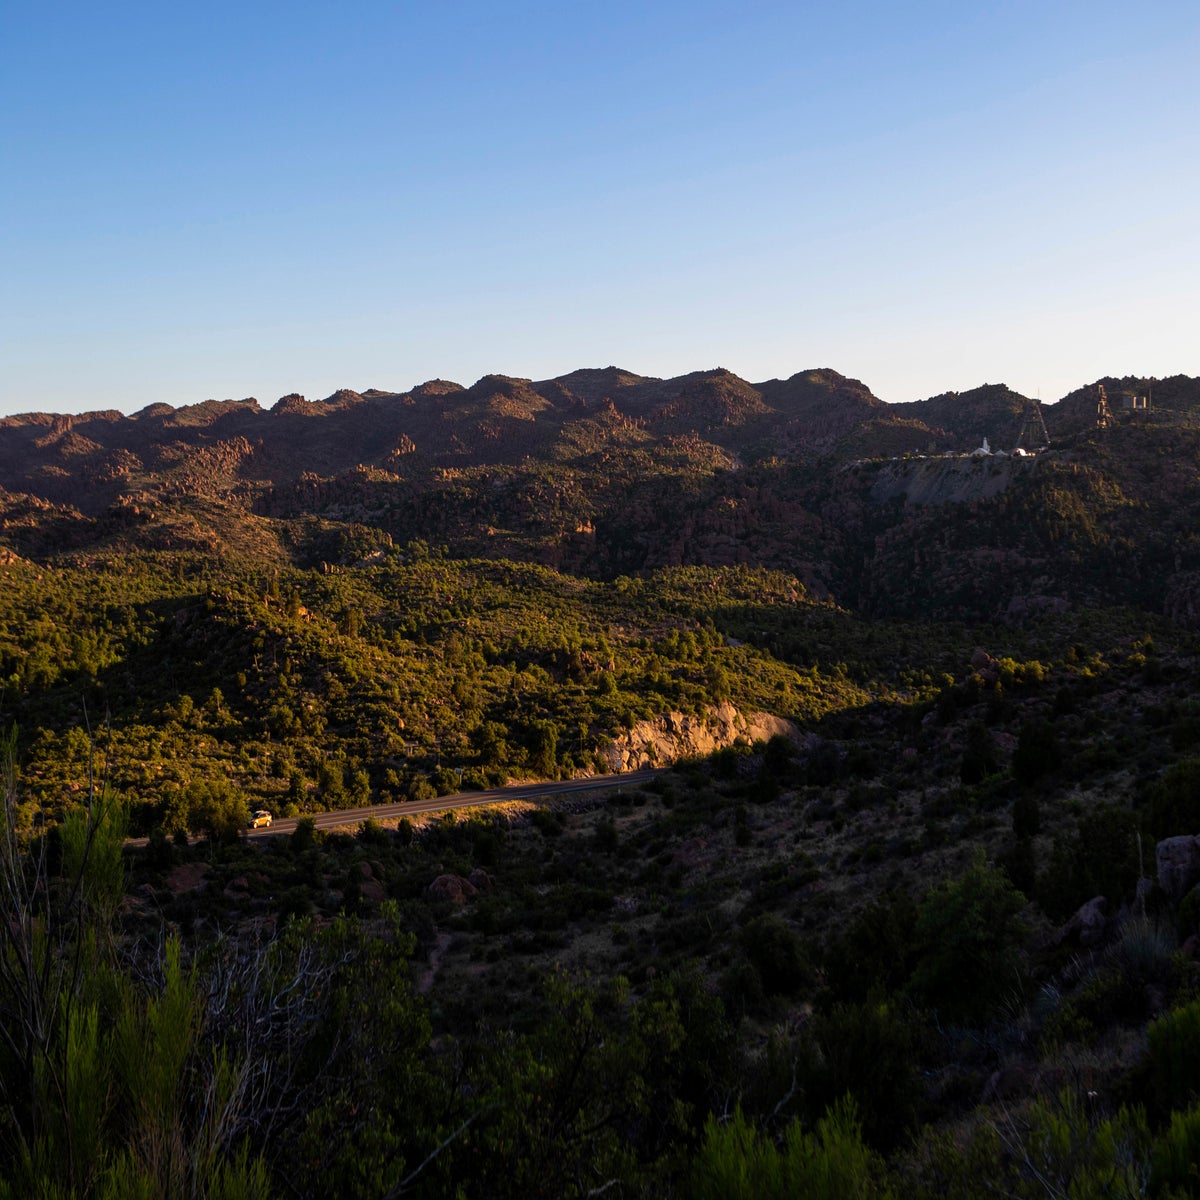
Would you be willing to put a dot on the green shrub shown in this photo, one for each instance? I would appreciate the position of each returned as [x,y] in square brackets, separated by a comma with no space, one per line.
[1026,815]
[736,1162]
[777,756]
[865,1051]
[304,837]
[1019,863]
[547,821]
[967,934]
[741,826]
[1175,801]
[606,838]
[1099,858]
[486,846]
[1175,1157]
[159,853]
[777,953]
[294,903]
[1144,951]
[979,754]
[1108,998]
[876,951]
[1037,752]
[1189,914]
[1174,1047]
[725,762]
[419,788]
[371,833]
[1072,1152]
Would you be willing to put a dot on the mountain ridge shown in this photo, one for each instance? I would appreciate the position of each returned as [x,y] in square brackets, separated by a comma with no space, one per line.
[602,472]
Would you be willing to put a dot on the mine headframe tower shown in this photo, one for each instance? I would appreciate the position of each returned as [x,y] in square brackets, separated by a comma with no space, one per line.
[1033,435]
[1104,414]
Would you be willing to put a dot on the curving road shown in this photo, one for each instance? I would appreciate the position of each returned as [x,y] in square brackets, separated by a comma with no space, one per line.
[410,808]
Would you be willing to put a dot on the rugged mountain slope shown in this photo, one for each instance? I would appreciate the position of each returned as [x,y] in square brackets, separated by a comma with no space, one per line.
[603,472]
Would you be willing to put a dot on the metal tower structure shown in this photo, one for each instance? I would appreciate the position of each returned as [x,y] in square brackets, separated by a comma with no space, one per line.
[1104,416]
[1033,435]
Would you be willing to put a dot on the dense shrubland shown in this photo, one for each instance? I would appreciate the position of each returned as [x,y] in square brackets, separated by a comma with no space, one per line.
[796,969]
[325,690]
[917,950]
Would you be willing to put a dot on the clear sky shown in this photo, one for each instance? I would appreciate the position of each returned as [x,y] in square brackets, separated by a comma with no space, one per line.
[253,198]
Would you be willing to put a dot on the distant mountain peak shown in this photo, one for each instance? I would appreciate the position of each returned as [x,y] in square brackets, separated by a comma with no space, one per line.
[437,387]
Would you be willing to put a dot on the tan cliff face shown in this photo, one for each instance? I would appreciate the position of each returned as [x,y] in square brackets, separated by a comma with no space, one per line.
[675,736]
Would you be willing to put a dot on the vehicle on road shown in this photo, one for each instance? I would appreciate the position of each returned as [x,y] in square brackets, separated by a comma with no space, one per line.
[260,819]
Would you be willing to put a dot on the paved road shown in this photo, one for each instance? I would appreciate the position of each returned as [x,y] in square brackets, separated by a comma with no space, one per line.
[411,808]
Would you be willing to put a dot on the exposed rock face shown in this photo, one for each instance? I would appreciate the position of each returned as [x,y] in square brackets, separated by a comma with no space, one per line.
[676,735]
[371,889]
[984,665]
[1088,924]
[926,481]
[1178,862]
[293,402]
[454,888]
[480,880]
[187,877]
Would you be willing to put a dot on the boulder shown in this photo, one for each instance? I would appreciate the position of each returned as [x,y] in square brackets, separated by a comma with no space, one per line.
[985,665]
[1178,862]
[480,880]
[1088,924]
[454,888]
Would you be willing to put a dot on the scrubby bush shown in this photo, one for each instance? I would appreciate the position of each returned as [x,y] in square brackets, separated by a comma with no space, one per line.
[1175,1157]
[486,846]
[1072,1151]
[606,838]
[1175,801]
[1037,753]
[876,951]
[967,935]
[725,762]
[304,837]
[1019,863]
[1098,858]
[979,754]
[777,756]
[865,1051]
[737,1162]
[371,833]
[1174,1045]
[1026,815]
[777,954]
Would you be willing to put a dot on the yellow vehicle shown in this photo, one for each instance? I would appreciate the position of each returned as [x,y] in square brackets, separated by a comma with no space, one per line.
[260,819]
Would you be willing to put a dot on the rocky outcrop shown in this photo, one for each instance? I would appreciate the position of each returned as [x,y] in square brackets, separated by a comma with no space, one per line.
[676,735]
[934,481]
[454,888]
[1178,862]
[1087,926]
[293,402]
[370,888]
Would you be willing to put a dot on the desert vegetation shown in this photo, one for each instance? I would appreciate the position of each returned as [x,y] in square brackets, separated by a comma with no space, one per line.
[938,926]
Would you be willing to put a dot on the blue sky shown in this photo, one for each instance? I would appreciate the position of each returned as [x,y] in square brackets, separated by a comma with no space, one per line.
[225,200]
